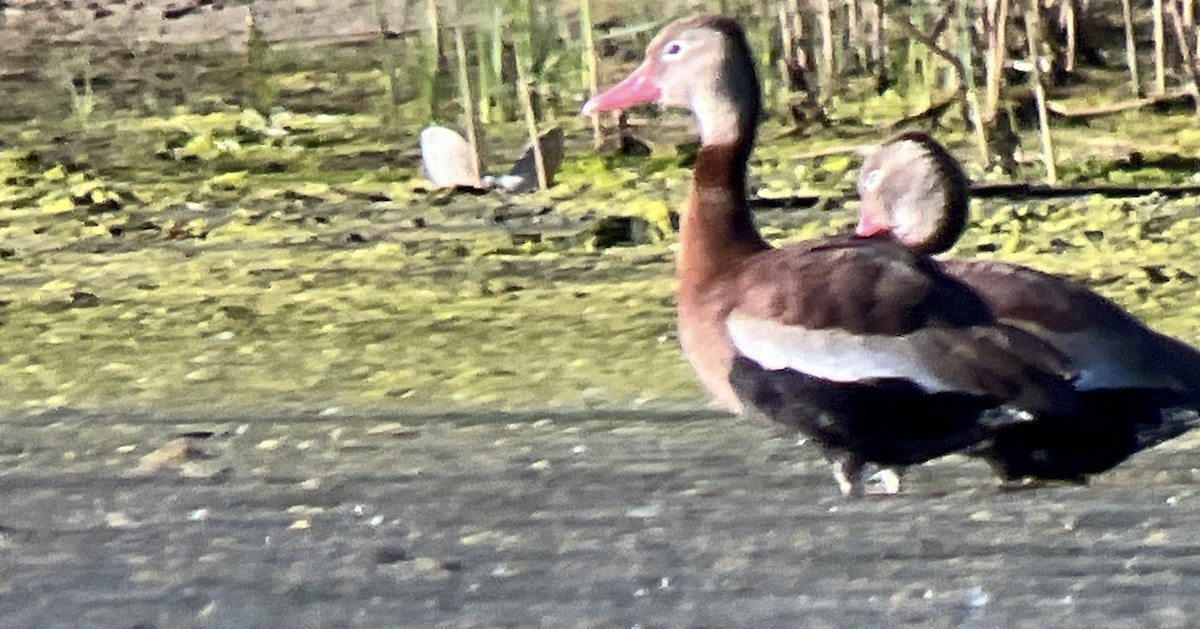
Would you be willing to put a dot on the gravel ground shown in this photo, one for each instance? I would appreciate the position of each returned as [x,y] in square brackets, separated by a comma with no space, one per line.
[632,519]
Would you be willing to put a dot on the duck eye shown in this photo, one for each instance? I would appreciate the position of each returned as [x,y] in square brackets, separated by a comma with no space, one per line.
[672,50]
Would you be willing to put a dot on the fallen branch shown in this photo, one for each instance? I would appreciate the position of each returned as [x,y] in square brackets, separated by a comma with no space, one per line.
[1041,191]
[800,129]
[993,191]
[1174,99]
[793,202]
[845,149]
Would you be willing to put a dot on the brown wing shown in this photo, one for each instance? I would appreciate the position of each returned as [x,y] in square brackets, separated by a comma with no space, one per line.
[1110,347]
[1020,293]
[860,285]
[867,306]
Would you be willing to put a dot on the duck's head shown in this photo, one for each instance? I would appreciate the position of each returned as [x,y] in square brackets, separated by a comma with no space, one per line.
[702,64]
[912,188]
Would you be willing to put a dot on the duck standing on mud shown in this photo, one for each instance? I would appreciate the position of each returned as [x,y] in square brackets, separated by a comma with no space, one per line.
[1135,385]
[860,344]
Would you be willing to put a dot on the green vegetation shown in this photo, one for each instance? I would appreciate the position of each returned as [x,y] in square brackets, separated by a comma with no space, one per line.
[183,228]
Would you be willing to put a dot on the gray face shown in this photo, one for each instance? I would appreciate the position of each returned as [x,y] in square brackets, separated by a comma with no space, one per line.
[687,64]
[903,187]
[913,187]
[705,66]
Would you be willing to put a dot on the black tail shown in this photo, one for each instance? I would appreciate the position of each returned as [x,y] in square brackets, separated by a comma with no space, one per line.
[1173,423]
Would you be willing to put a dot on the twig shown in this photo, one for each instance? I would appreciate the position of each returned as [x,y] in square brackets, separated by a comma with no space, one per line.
[934,111]
[853,34]
[933,46]
[431,13]
[964,83]
[1069,25]
[879,36]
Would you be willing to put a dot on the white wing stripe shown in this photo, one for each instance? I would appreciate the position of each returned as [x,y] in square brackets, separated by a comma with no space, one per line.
[832,354]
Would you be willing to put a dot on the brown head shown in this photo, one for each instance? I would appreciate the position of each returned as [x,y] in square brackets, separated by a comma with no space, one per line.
[702,64]
[914,189]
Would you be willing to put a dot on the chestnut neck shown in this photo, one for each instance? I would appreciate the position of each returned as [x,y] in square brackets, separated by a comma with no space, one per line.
[716,229]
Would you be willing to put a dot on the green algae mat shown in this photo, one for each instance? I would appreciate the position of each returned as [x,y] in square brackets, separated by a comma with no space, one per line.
[239,261]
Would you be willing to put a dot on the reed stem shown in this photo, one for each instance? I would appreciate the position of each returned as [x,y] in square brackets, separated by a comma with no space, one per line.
[1131,61]
[589,57]
[531,121]
[388,63]
[997,54]
[468,101]
[966,74]
[1033,35]
[825,23]
[1160,55]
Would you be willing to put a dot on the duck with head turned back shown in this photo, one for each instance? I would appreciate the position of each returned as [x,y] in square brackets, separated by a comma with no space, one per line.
[1134,384]
[860,344]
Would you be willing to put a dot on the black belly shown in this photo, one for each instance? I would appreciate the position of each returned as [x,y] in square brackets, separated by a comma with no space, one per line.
[886,421]
[1110,426]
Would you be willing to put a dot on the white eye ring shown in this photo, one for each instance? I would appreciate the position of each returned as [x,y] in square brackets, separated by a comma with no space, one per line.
[672,49]
[873,179]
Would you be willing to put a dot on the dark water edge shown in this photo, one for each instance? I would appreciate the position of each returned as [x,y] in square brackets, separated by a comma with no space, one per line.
[589,519]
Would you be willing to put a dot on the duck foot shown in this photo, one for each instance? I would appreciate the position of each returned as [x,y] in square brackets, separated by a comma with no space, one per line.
[848,472]
[886,482]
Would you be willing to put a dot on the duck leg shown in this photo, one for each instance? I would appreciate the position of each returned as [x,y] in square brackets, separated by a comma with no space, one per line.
[848,472]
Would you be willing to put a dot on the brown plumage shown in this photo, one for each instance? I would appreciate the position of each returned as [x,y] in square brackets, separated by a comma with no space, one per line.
[1130,376]
[829,337]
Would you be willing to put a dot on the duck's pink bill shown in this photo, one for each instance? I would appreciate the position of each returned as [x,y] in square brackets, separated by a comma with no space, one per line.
[868,226]
[638,87]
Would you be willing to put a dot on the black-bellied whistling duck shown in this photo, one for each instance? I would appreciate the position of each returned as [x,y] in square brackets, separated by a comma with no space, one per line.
[1130,377]
[860,344]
